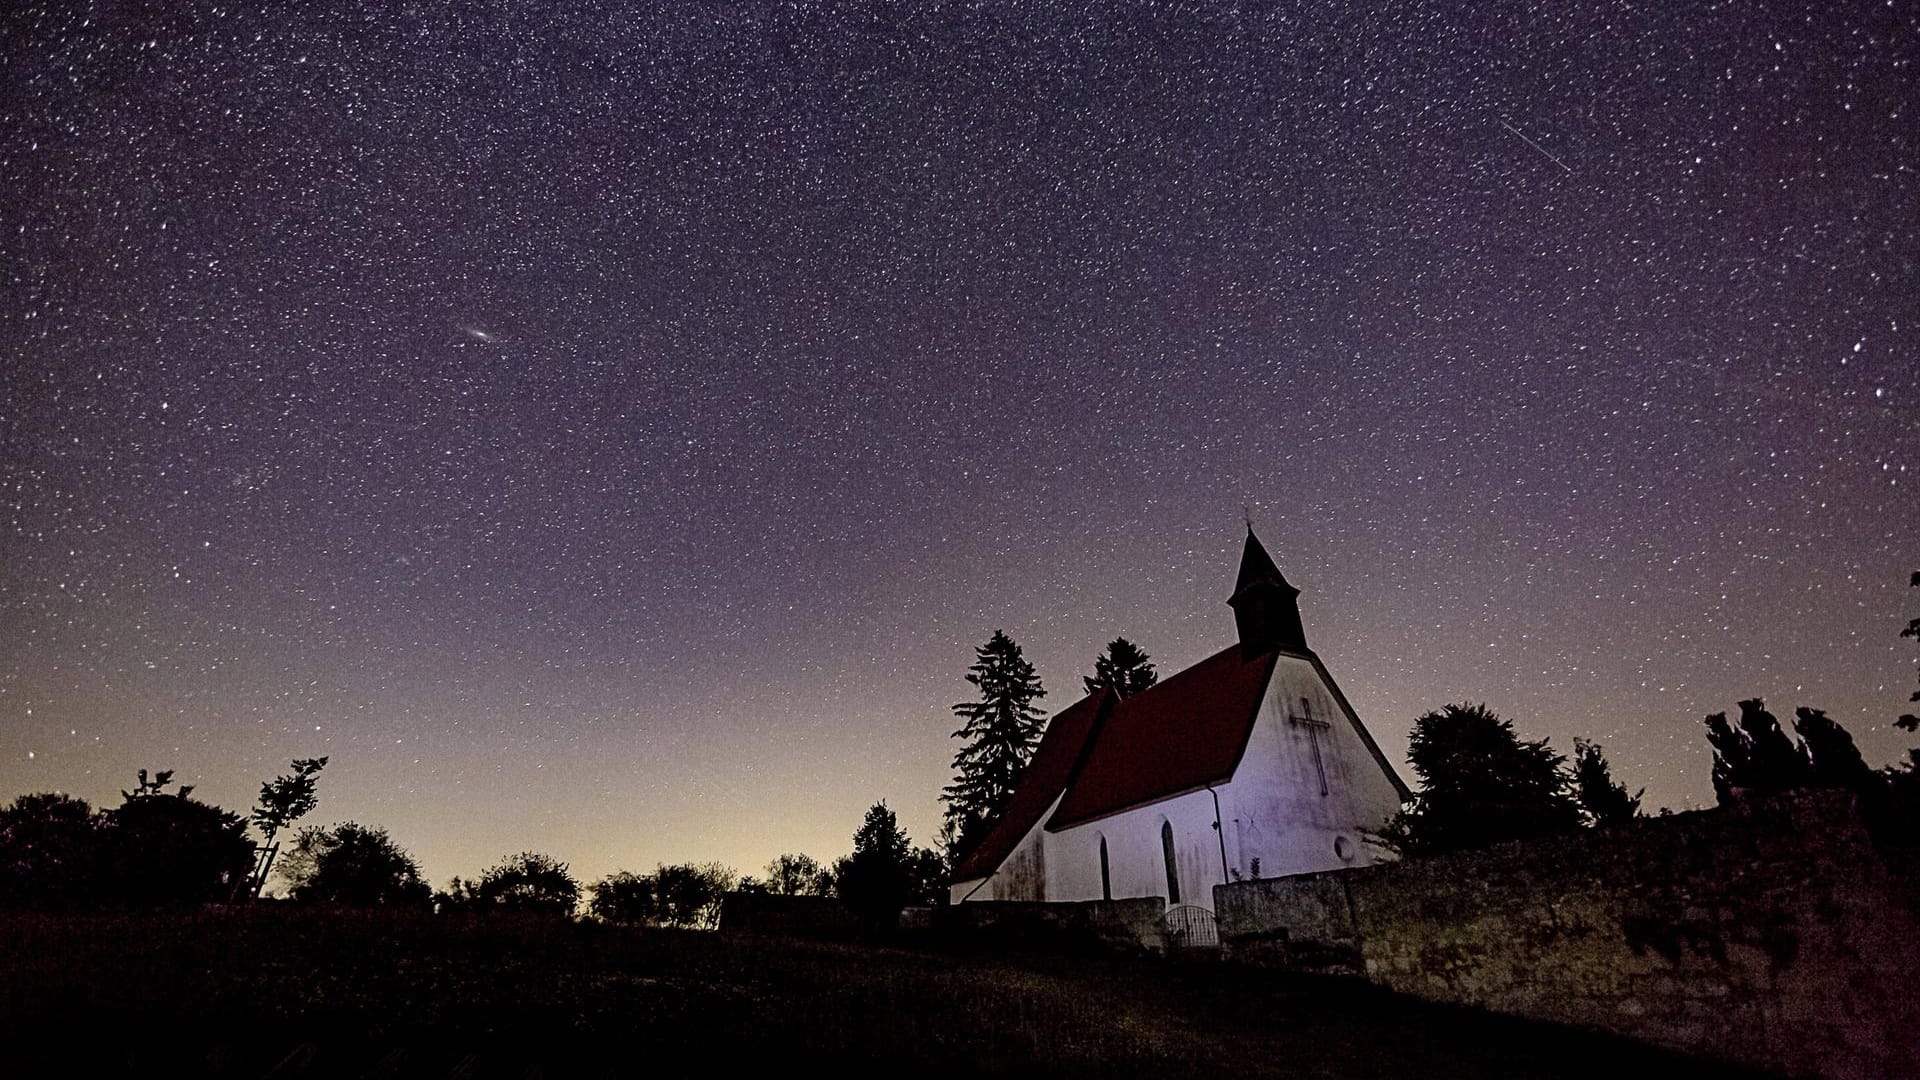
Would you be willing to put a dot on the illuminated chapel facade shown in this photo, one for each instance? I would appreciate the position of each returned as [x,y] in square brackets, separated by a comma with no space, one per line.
[1248,764]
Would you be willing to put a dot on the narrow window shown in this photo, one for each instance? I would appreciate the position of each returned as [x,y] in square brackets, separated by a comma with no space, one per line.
[1106,878]
[1166,852]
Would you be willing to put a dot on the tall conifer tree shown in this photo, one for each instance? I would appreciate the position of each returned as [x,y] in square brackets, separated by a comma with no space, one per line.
[876,880]
[999,732]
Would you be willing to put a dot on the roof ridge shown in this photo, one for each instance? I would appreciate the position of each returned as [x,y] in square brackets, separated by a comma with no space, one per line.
[1153,746]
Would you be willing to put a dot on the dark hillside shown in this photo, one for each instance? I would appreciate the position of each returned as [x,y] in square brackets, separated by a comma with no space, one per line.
[285,993]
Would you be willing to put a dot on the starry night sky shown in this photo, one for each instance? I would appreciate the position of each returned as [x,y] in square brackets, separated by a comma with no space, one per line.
[609,433]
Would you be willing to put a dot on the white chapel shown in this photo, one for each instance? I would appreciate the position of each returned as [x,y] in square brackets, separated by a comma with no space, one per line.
[1249,764]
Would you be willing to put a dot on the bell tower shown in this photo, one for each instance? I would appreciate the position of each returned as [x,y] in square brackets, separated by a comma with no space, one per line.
[1265,607]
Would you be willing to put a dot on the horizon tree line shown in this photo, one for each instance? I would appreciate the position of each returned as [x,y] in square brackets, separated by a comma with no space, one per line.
[165,850]
[1480,784]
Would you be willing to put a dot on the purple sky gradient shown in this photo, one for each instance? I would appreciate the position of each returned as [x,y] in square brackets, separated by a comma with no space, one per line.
[610,433]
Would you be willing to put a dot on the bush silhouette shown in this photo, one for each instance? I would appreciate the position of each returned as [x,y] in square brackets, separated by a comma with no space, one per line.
[171,851]
[350,865]
[51,851]
[528,882]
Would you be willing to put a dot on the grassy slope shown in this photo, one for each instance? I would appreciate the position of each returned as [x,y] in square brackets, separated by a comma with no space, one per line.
[303,994]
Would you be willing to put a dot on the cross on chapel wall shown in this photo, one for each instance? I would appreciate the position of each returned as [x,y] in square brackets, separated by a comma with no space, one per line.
[1313,725]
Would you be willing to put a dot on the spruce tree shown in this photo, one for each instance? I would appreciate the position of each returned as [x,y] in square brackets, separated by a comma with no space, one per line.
[1124,667]
[999,732]
[876,880]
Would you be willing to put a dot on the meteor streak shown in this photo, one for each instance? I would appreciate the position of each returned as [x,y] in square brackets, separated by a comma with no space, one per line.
[1536,146]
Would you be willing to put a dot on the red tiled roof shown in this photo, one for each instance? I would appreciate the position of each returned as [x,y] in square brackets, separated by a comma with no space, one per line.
[1178,735]
[1052,766]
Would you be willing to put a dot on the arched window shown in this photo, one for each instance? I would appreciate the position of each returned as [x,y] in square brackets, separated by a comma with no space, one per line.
[1166,852]
[1106,876]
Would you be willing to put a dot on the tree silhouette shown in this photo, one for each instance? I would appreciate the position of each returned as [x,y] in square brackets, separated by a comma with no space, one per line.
[798,875]
[927,874]
[350,865]
[1000,730]
[283,801]
[50,853]
[1480,785]
[876,879]
[461,897]
[685,895]
[689,895]
[1833,759]
[1897,816]
[169,850]
[947,842]
[1900,804]
[1908,721]
[1605,801]
[623,897]
[1757,757]
[528,882]
[1124,668]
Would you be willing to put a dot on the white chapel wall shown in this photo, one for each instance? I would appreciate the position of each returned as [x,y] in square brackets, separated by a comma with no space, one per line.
[1134,859]
[1278,814]
[1022,875]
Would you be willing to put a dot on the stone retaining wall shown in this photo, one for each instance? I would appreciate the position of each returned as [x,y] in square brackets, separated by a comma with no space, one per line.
[1128,925]
[1769,935]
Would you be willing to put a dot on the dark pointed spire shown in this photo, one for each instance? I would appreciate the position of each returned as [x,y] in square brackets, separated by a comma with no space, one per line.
[1265,606]
[1256,567]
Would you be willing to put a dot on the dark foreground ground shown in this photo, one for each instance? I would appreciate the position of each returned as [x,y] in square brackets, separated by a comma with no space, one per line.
[276,993]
